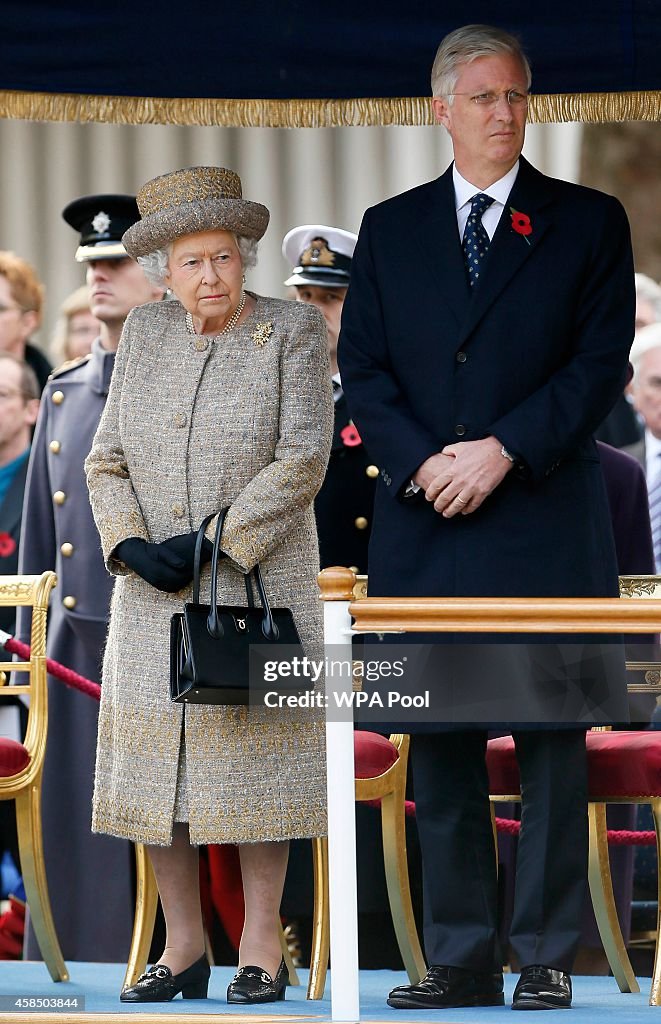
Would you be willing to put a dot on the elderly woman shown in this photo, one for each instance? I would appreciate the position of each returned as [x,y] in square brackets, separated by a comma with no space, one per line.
[219,398]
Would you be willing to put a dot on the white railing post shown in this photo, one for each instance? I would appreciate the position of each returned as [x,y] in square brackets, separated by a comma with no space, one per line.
[345,994]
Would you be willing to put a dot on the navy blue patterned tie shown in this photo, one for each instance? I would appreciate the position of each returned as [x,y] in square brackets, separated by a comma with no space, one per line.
[476,240]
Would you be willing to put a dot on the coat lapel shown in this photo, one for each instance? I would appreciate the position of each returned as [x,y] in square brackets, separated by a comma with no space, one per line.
[509,250]
[443,261]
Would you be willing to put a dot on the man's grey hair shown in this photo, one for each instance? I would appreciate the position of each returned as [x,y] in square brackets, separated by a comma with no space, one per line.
[467,44]
[649,291]
[647,338]
[155,264]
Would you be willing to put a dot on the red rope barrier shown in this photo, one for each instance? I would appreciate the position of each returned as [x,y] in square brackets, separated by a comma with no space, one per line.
[616,837]
[66,675]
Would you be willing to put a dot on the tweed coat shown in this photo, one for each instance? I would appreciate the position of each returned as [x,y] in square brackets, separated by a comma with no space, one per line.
[191,425]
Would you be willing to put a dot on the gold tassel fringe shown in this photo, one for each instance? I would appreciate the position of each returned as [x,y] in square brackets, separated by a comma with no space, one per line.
[42,106]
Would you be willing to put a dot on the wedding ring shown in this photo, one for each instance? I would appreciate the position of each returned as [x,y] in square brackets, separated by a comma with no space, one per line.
[461,500]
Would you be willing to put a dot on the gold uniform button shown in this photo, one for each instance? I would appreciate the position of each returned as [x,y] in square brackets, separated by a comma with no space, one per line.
[69,602]
[201,344]
[58,397]
[178,511]
[361,523]
[180,419]
[67,549]
[59,497]
[55,447]
[372,472]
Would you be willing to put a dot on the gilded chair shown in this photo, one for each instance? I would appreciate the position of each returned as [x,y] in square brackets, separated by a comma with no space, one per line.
[623,767]
[21,764]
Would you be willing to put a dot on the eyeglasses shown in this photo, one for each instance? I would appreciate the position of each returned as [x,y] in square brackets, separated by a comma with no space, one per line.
[514,97]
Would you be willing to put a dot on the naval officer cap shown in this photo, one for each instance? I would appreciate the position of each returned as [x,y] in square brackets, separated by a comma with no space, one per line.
[101,221]
[320,255]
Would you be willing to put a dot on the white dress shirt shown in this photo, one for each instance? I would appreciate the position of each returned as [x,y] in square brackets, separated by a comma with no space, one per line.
[499,192]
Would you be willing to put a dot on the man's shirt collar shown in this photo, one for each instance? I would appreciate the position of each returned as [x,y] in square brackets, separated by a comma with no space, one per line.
[499,191]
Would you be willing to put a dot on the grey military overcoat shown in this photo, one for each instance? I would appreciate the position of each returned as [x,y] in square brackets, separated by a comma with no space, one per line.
[192,425]
[58,532]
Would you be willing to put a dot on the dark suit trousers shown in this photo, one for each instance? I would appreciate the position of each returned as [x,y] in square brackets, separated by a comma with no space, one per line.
[459,863]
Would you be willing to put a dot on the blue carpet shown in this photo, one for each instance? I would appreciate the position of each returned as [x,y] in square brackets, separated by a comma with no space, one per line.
[594,998]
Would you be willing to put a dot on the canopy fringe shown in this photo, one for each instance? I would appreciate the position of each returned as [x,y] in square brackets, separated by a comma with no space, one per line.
[328,113]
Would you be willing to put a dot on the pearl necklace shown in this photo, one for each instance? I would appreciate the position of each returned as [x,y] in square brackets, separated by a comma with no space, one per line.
[231,323]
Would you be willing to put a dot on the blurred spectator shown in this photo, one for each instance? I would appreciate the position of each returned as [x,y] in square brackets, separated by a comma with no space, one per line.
[648,301]
[21,302]
[19,406]
[645,391]
[76,328]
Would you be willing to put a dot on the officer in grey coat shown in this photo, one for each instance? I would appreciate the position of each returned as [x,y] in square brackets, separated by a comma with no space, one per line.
[89,876]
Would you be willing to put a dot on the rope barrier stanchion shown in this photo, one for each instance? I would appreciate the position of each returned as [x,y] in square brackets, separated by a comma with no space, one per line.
[54,668]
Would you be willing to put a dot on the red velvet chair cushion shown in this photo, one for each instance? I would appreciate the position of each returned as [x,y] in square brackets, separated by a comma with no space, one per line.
[13,757]
[620,764]
[374,754]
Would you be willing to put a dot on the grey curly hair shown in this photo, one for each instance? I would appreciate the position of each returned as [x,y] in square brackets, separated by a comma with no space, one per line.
[155,264]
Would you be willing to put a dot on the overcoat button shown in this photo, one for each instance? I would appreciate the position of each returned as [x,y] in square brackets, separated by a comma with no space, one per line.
[55,447]
[69,602]
[461,357]
[361,523]
[180,419]
[201,344]
[460,430]
[178,511]
[58,397]
[59,497]
[372,472]
[67,549]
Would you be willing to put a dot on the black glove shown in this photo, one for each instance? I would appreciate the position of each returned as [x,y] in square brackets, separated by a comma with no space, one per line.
[183,545]
[161,568]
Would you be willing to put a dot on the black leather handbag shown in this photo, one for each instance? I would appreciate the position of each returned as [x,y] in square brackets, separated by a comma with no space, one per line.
[210,644]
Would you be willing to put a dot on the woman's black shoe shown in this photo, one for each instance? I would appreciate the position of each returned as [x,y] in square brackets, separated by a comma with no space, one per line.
[159,984]
[254,985]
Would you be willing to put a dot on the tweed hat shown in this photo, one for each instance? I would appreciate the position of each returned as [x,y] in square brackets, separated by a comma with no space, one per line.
[192,199]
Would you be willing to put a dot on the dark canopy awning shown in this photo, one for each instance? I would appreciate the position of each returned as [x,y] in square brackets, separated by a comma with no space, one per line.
[293,63]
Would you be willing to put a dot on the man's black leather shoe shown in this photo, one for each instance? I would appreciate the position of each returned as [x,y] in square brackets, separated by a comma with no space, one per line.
[542,988]
[449,986]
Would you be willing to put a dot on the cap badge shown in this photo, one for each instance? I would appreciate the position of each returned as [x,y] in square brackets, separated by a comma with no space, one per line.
[318,254]
[101,222]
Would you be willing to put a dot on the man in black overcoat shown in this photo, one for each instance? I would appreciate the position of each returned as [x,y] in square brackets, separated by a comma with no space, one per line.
[477,399]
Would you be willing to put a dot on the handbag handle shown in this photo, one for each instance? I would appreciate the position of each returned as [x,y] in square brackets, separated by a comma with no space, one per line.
[214,625]
[197,556]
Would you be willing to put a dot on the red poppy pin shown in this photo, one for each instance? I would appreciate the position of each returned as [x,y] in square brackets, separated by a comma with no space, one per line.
[350,436]
[7,545]
[521,223]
